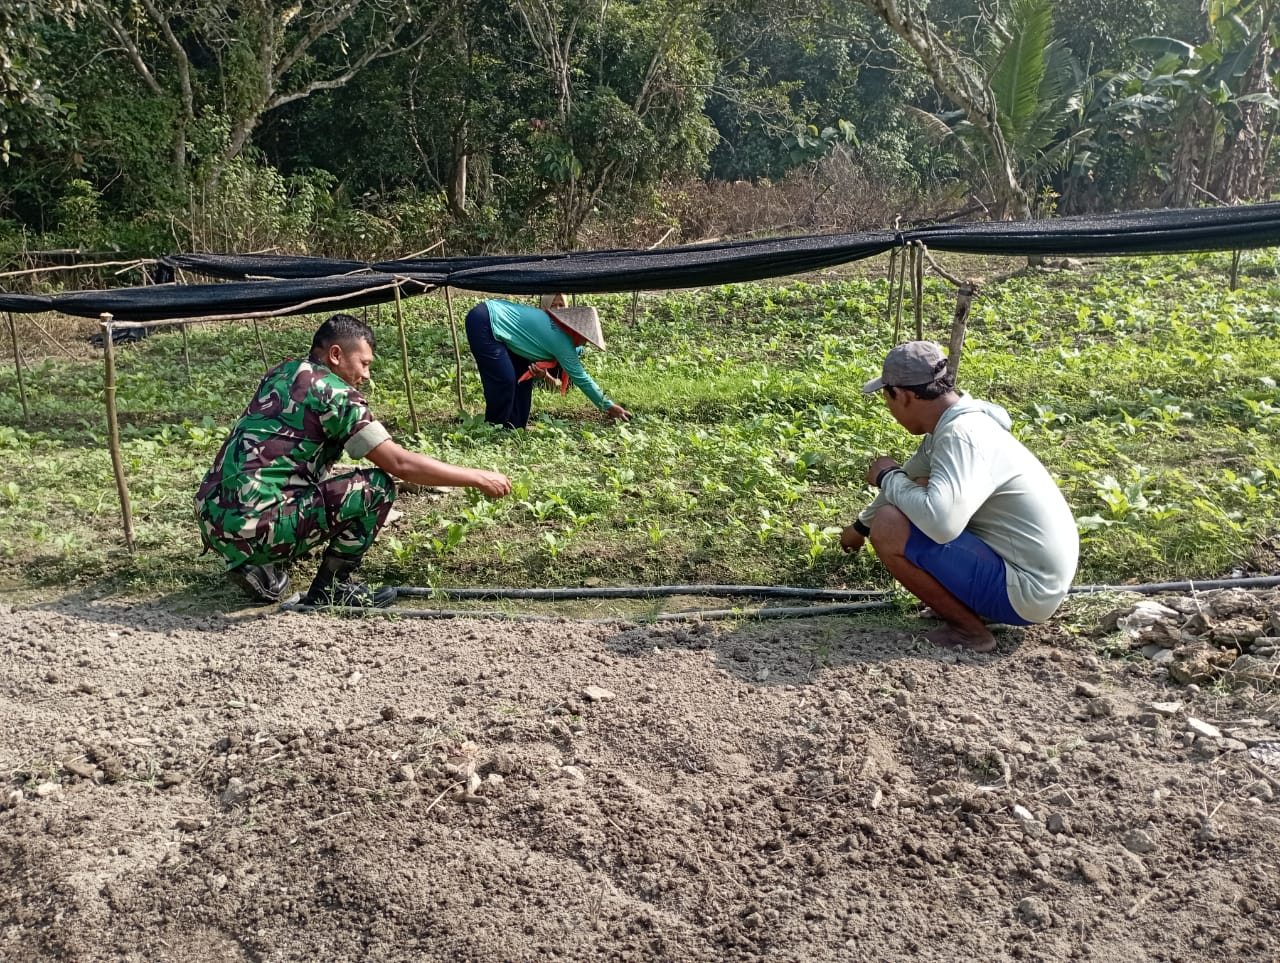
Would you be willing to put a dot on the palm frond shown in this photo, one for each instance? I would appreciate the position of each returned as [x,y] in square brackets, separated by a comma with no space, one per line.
[1015,82]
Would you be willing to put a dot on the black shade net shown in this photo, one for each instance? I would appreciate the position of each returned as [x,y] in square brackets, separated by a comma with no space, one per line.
[165,302]
[353,283]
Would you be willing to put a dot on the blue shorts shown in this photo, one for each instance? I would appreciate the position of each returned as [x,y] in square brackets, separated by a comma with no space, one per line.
[970,570]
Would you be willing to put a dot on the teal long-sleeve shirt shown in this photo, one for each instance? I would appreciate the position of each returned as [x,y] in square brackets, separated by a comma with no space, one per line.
[531,333]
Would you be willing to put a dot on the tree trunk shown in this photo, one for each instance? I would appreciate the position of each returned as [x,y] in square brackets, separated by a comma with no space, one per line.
[457,190]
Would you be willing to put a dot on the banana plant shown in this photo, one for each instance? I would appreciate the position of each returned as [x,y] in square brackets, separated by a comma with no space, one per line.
[1207,114]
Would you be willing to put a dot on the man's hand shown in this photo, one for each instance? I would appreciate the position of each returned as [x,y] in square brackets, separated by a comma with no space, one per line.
[851,539]
[879,465]
[492,483]
[618,413]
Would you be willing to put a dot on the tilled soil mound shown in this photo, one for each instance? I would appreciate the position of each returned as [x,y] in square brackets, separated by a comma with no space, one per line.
[290,787]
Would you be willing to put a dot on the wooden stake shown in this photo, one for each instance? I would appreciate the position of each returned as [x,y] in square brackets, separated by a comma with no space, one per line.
[404,362]
[186,351]
[917,289]
[635,305]
[902,282]
[113,429]
[1235,269]
[52,340]
[17,366]
[893,273]
[457,351]
[964,301]
[266,365]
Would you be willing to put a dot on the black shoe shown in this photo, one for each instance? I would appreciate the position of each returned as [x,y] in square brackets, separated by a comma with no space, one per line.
[336,584]
[266,583]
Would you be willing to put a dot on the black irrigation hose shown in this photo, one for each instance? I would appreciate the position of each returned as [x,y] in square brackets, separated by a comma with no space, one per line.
[765,591]
[693,615]
[1154,588]
[640,592]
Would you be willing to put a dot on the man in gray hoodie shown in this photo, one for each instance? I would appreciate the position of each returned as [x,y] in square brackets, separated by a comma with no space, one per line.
[972,524]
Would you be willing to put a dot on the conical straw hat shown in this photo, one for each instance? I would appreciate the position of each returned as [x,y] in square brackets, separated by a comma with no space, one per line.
[584,321]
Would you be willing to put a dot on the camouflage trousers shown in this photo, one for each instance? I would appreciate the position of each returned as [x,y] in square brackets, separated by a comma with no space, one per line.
[346,511]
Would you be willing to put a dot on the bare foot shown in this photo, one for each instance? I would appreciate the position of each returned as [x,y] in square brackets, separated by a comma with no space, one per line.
[953,639]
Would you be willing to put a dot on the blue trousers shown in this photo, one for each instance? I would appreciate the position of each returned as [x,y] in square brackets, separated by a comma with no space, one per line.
[506,402]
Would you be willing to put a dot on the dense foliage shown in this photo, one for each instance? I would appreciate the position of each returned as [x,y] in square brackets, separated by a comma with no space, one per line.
[383,127]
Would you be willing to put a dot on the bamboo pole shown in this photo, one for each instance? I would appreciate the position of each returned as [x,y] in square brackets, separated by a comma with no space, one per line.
[902,283]
[52,340]
[262,346]
[113,429]
[77,267]
[186,351]
[457,351]
[893,273]
[17,366]
[404,362]
[917,289]
[964,301]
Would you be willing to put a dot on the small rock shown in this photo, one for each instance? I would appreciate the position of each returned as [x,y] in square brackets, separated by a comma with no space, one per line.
[594,693]
[1203,729]
[406,774]
[1062,798]
[389,713]
[1100,707]
[1166,709]
[1058,824]
[1035,912]
[1139,841]
[1024,816]
[574,775]
[190,824]
[235,793]
[1087,690]
[170,779]
[1091,872]
[85,770]
[47,789]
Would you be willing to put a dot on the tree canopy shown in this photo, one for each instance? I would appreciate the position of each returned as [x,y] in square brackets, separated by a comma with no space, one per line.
[382,126]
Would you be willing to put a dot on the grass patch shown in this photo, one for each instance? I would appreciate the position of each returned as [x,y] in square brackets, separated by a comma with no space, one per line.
[1148,388]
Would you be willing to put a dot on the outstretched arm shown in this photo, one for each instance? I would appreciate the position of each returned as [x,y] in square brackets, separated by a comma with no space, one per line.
[421,470]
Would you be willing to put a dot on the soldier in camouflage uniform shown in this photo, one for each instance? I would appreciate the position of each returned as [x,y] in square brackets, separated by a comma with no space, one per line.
[270,495]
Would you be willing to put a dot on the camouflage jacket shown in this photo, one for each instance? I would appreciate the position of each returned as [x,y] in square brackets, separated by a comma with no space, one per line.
[297,425]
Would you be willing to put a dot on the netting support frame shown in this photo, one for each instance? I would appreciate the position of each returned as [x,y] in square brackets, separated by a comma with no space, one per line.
[113,428]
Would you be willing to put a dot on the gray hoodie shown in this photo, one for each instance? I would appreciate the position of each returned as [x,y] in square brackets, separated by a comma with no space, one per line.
[983,479]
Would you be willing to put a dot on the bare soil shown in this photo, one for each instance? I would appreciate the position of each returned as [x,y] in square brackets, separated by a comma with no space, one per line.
[260,786]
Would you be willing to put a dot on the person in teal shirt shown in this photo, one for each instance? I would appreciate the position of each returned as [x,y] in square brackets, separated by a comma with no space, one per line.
[516,345]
